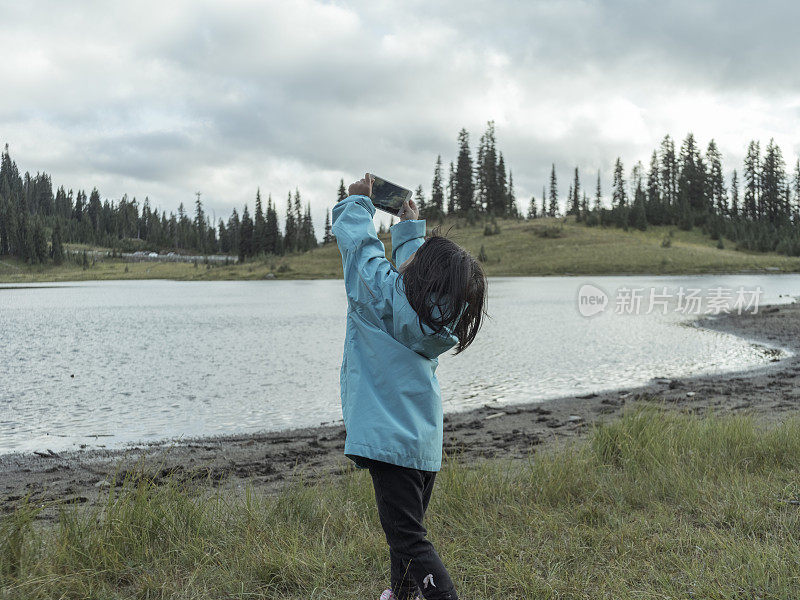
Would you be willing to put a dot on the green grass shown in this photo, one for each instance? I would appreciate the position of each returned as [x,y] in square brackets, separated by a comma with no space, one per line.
[520,249]
[656,504]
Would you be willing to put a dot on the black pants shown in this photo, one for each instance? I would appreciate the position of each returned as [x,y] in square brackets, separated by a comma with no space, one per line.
[402,495]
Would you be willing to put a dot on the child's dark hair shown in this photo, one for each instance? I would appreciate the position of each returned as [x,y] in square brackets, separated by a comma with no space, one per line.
[443,274]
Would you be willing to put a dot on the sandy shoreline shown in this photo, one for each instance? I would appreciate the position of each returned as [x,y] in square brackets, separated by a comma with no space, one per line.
[267,461]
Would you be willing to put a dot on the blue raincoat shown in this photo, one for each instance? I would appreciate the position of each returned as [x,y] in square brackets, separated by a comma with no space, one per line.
[391,402]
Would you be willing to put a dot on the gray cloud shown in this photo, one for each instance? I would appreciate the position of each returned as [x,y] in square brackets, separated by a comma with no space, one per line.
[163,99]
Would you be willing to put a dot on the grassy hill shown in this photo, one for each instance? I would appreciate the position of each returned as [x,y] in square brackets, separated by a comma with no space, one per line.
[538,247]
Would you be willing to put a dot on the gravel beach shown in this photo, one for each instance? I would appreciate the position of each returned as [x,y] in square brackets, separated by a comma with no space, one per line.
[267,461]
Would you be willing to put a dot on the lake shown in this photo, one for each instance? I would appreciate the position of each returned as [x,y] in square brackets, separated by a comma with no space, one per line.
[114,362]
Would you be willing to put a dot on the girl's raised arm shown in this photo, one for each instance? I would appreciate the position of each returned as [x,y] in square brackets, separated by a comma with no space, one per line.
[368,275]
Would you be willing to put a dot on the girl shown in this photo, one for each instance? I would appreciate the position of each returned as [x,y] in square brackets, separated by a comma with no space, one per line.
[399,320]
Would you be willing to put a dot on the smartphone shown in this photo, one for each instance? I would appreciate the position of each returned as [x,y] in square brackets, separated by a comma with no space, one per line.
[388,196]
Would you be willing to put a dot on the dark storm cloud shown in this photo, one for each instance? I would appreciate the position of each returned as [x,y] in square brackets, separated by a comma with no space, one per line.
[162,99]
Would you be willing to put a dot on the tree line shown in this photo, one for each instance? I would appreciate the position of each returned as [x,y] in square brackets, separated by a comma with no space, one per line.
[477,188]
[759,210]
[35,223]
[685,188]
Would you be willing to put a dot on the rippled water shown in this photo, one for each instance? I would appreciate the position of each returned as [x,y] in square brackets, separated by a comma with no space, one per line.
[107,363]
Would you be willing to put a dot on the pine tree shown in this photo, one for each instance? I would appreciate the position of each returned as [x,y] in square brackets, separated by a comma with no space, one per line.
[511,210]
[234,231]
[224,238]
[773,185]
[464,184]
[259,227]
[199,226]
[309,235]
[451,191]
[299,242]
[532,208]
[246,236]
[419,198]
[290,228]
[619,197]
[669,175]
[734,194]
[718,195]
[342,191]
[638,216]
[327,238]
[553,209]
[654,210]
[575,208]
[272,244]
[500,189]
[544,202]
[436,208]
[752,182]
[692,185]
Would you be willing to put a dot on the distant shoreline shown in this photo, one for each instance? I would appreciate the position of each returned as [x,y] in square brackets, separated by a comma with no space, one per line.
[528,248]
[267,460]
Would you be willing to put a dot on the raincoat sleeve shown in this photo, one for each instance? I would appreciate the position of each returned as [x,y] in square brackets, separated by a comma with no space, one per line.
[407,237]
[368,275]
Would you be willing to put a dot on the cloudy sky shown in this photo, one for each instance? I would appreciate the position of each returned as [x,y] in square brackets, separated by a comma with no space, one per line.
[163,99]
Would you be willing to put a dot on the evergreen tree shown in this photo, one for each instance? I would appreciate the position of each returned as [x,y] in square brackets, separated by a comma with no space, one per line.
[574,198]
[734,194]
[638,215]
[619,196]
[234,231]
[246,236]
[436,208]
[752,182]
[544,202]
[342,191]
[259,227]
[654,211]
[718,195]
[692,187]
[199,227]
[290,228]
[511,210]
[553,209]
[669,176]
[224,238]
[327,238]
[309,235]
[532,208]
[451,191]
[773,185]
[500,205]
[419,198]
[464,184]
[272,236]
[300,241]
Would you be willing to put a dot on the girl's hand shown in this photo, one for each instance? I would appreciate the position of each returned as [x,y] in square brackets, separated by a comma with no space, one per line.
[362,187]
[409,211]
